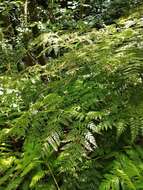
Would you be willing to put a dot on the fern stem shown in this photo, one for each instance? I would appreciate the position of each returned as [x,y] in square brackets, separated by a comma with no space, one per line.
[56,183]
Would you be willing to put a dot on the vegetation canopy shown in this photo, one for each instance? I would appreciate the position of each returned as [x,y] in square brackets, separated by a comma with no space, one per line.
[71,95]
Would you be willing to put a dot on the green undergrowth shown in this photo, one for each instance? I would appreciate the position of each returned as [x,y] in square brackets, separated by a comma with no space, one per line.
[77,122]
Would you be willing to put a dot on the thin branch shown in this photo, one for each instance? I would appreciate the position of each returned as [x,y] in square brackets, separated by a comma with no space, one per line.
[26,11]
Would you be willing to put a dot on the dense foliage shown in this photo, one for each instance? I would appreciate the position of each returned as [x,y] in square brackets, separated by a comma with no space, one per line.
[71,95]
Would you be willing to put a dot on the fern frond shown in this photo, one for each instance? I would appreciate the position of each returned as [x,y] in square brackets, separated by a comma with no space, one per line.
[111,182]
[37,177]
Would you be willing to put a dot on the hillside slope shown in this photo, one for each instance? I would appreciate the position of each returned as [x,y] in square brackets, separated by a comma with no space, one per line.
[77,122]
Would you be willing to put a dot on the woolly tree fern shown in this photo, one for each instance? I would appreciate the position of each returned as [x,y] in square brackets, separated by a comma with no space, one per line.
[65,124]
